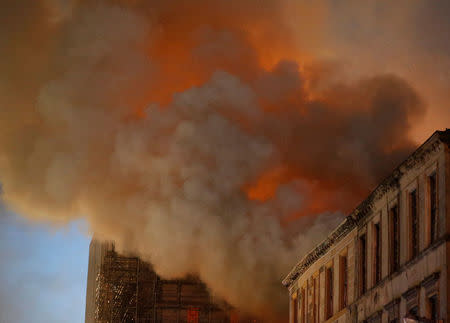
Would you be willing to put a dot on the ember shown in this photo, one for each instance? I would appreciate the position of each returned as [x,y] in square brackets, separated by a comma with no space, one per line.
[192,315]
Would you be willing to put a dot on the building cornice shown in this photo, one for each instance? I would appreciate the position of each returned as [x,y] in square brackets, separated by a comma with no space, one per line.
[419,156]
[430,280]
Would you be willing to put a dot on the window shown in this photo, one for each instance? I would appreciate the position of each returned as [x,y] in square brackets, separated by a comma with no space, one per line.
[362,264]
[394,239]
[311,300]
[329,292]
[343,281]
[308,300]
[315,299]
[414,311]
[432,308]
[392,309]
[303,306]
[294,304]
[411,297]
[431,287]
[432,190]
[375,317]
[414,224]
[377,253]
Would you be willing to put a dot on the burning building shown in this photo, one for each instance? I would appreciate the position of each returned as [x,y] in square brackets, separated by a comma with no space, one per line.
[223,138]
[127,289]
[389,258]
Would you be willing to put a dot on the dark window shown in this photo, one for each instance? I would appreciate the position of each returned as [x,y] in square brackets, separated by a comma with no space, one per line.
[309,300]
[315,300]
[414,311]
[393,311]
[433,207]
[344,281]
[329,292]
[394,239]
[432,307]
[363,264]
[377,253]
[303,306]
[295,309]
[414,223]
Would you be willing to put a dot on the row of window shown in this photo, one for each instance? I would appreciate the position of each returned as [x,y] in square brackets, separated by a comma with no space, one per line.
[309,294]
[393,311]
[394,235]
[412,299]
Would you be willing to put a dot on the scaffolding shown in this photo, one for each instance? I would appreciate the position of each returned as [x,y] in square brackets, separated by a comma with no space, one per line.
[128,290]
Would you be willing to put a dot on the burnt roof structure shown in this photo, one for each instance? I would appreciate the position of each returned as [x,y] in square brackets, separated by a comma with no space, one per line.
[420,155]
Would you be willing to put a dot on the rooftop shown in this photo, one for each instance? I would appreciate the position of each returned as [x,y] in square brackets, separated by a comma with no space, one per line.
[362,210]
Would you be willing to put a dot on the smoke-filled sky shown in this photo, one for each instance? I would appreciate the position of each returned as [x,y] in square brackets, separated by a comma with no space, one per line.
[232,134]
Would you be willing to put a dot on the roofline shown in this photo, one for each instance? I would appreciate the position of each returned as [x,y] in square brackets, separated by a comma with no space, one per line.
[364,208]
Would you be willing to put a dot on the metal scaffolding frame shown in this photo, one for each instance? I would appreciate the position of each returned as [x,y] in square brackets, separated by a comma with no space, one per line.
[128,290]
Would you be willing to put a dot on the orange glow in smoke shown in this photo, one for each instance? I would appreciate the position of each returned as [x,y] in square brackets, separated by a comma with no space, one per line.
[267,184]
[185,59]
[174,49]
[317,197]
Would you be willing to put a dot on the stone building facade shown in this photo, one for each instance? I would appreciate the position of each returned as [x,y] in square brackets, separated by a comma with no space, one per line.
[389,258]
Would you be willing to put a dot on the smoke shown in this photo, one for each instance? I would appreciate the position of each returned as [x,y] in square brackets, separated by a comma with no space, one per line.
[201,136]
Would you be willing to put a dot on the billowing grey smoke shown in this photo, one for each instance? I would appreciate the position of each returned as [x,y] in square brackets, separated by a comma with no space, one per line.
[90,133]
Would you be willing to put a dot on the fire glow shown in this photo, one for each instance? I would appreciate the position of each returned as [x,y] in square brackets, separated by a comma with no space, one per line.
[198,135]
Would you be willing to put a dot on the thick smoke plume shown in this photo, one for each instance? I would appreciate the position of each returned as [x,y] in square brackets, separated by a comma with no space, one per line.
[194,134]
